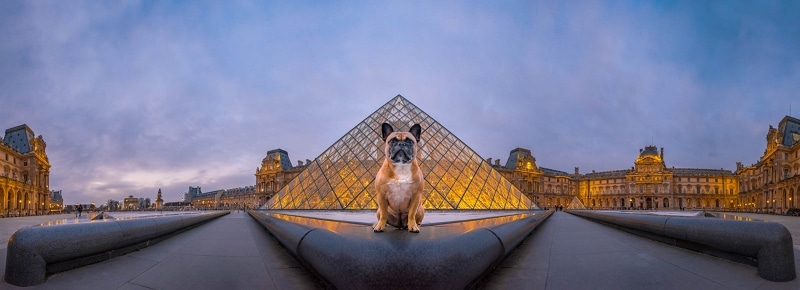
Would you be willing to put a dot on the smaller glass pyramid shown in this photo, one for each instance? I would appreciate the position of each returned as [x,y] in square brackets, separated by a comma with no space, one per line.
[575,204]
[456,177]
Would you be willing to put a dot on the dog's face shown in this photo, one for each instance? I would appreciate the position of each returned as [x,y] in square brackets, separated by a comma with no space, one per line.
[401,147]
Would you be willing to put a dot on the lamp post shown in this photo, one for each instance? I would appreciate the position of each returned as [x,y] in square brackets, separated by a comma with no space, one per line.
[773,206]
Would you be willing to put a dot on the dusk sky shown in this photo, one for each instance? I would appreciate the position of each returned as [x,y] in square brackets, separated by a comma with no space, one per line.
[133,96]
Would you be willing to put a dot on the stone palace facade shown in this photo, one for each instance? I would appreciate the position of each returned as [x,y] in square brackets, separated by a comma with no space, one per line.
[771,185]
[649,184]
[24,173]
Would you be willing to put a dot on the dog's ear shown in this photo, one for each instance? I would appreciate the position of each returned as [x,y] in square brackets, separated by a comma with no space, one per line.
[416,131]
[386,129]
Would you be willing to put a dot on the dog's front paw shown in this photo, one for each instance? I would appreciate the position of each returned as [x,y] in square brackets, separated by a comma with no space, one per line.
[377,229]
[413,229]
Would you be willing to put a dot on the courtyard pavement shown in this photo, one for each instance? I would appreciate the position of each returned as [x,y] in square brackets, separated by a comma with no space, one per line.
[230,252]
[569,252]
[565,252]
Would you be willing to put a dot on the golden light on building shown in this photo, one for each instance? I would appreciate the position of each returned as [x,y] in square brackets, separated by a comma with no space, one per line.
[24,173]
[341,177]
[456,177]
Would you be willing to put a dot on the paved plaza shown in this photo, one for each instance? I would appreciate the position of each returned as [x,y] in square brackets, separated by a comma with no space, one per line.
[231,252]
[565,252]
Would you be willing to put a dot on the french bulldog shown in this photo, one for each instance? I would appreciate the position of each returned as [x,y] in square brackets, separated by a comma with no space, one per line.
[399,182]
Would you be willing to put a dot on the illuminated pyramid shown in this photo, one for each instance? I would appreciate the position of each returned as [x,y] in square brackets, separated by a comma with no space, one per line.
[456,177]
[575,204]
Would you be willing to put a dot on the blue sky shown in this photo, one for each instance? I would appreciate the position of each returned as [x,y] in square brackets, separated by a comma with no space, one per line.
[132,96]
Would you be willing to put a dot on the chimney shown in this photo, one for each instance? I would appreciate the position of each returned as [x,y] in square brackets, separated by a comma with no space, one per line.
[308,162]
[497,162]
[489,160]
[299,163]
[662,152]
[577,171]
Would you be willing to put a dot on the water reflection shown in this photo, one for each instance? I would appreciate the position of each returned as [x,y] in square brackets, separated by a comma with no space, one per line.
[56,222]
[739,218]
[467,226]
[330,225]
[339,226]
[113,216]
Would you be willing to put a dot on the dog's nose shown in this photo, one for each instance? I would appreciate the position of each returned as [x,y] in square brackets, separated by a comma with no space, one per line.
[400,157]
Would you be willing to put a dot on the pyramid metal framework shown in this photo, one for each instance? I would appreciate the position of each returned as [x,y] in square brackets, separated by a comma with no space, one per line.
[456,177]
[575,204]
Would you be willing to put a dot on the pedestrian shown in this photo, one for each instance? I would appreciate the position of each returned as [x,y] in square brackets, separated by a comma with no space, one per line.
[80,210]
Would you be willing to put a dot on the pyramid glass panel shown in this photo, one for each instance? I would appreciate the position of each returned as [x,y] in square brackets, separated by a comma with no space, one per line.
[455,176]
[575,204]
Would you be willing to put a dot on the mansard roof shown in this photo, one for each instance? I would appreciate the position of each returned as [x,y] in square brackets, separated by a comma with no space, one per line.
[607,174]
[699,171]
[790,128]
[675,172]
[281,156]
[649,150]
[554,172]
[19,138]
[207,193]
[515,155]
[239,190]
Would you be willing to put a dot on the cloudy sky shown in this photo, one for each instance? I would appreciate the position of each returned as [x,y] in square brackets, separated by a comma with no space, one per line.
[133,96]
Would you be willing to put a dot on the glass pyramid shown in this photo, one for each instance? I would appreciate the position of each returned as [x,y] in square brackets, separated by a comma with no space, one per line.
[456,177]
[575,204]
